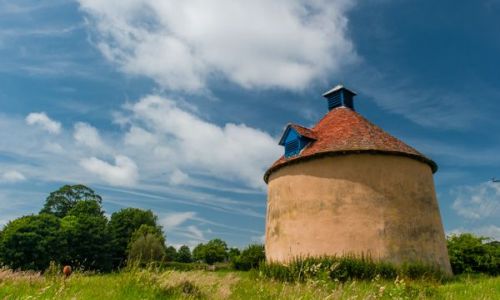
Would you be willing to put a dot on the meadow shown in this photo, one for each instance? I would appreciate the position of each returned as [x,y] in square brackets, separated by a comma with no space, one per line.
[227,284]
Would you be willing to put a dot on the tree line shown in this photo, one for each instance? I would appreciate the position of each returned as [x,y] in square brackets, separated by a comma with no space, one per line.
[71,229]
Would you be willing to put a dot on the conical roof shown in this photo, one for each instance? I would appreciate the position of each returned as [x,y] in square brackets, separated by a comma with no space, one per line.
[344,131]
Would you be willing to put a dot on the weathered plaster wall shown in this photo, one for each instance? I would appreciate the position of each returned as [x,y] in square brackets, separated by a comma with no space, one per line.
[374,204]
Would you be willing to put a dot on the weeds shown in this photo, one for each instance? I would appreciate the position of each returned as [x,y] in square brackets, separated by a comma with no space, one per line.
[346,268]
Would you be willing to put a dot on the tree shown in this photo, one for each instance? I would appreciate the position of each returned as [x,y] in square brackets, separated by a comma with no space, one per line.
[184,254]
[250,257]
[61,201]
[86,239]
[31,242]
[233,253]
[199,252]
[213,251]
[147,245]
[121,227]
[171,253]
[470,254]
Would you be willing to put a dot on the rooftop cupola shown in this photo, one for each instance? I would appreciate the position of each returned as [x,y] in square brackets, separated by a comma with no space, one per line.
[339,96]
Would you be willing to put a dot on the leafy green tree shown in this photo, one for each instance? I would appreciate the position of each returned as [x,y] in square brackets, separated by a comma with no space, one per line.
[213,251]
[31,242]
[171,253]
[233,253]
[122,225]
[199,252]
[470,254]
[147,245]
[62,200]
[250,257]
[87,241]
[184,254]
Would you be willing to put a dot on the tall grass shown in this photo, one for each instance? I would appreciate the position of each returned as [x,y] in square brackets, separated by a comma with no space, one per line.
[346,268]
[150,283]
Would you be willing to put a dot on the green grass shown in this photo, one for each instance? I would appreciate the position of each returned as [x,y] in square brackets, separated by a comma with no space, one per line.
[198,284]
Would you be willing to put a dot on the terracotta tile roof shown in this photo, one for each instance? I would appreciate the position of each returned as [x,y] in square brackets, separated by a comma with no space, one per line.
[344,131]
[304,131]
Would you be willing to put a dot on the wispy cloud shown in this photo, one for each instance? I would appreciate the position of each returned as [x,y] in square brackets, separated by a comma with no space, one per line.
[419,102]
[12,176]
[477,202]
[173,220]
[489,231]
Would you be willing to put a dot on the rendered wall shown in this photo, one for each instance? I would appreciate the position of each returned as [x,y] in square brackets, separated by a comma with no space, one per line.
[374,204]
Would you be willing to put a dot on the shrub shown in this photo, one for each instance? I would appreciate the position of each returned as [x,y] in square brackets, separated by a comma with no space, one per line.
[250,258]
[178,266]
[213,251]
[184,254]
[471,254]
[147,246]
[344,269]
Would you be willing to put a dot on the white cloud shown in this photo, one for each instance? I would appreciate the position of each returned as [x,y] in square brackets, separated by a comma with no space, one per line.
[186,142]
[41,119]
[87,135]
[259,239]
[122,173]
[12,176]
[172,220]
[476,202]
[195,233]
[263,44]
[490,231]
[137,136]
[178,177]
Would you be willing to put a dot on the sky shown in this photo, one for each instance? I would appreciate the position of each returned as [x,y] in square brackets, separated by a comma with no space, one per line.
[178,106]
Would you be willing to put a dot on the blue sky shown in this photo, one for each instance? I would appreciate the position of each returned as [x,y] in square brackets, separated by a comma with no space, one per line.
[178,106]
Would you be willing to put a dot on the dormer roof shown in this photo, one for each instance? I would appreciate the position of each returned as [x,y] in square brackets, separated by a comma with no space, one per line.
[301,130]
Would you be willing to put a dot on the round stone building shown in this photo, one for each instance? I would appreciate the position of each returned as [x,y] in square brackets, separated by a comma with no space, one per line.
[346,186]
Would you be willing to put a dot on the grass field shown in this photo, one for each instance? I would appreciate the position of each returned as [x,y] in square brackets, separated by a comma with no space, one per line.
[148,284]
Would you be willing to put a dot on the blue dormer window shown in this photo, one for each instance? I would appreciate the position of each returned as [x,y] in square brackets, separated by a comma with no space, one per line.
[292,148]
[295,138]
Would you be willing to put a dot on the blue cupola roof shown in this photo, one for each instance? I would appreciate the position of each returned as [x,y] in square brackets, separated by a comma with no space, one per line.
[339,96]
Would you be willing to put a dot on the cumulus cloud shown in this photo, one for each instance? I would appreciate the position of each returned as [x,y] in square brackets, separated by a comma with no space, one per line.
[87,135]
[41,119]
[476,202]
[123,173]
[186,142]
[12,176]
[263,44]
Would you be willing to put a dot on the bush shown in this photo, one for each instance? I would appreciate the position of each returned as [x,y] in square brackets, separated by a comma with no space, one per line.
[184,254]
[250,258]
[147,246]
[179,266]
[344,269]
[213,251]
[471,254]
